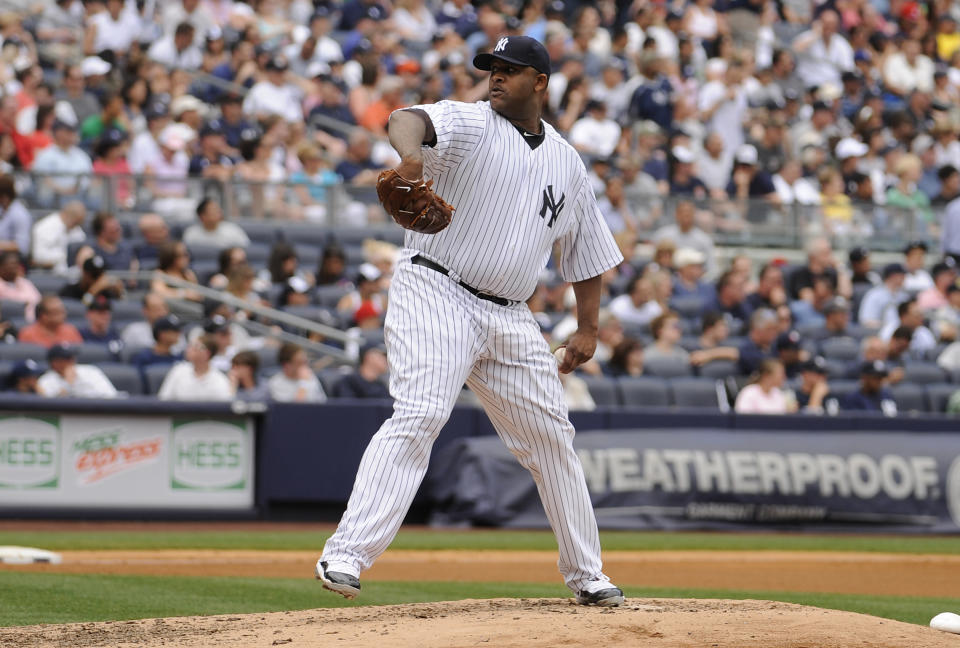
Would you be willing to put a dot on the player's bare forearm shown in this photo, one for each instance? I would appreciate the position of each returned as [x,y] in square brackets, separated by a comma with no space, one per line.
[583,342]
[407,130]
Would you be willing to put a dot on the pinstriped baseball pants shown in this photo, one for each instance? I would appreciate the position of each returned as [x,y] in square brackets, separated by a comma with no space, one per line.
[438,337]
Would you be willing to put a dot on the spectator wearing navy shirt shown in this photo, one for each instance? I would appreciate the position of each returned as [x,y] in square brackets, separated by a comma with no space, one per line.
[653,99]
[683,182]
[166,335]
[730,300]
[99,328]
[759,343]
[117,254]
[366,381]
[212,161]
[872,396]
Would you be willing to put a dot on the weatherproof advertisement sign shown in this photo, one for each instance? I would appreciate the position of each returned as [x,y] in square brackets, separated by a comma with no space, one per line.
[156,462]
[673,479]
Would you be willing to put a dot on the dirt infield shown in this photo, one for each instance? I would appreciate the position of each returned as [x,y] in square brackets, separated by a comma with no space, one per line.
[843,572]
[528,623]
[505,623]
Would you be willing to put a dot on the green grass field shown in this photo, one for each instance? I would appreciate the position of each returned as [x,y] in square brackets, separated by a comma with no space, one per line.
[32,598]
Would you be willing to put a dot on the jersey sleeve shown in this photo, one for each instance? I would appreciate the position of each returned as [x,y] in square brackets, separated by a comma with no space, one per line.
[459,127]
[588,248]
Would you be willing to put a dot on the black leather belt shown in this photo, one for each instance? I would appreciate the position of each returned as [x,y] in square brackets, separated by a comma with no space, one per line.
[427,263]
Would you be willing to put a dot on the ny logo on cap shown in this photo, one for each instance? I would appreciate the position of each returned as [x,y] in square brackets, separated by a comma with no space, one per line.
[501,45]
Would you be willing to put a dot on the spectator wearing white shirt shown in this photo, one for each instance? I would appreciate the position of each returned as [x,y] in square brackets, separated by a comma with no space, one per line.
[295,382]
[879,305]
[67,379]
[177,50]
[53,235]
[908,69]
[62,161]
[195,379]
[595,134]
[685,234]
[139,335]
[15,220]
[274,96]
[723,102]
[327,49]
[190,11]
[910,316]
[917,279]
[636,307]
[144,146]
[714,167]
[212,230]
[114,29]
[823,53]
[793,188]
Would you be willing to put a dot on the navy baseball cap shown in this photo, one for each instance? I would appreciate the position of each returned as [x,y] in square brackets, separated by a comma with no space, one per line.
[875,368]
[892,269]
[24,368]
[519,50]
[816,364]
[168,323]
[61,351]
[788,341]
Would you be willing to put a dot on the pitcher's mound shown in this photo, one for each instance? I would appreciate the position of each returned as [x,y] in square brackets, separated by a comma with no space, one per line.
[520,623]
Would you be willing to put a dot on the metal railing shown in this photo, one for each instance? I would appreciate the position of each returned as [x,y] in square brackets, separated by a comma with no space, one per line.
[350,339]
[731,222]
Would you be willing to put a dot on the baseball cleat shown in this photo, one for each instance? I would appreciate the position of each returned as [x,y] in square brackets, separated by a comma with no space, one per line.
[608,597]
[345,585]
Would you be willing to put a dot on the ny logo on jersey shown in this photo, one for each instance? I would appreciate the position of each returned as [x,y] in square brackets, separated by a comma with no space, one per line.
[549,202]
[501,45]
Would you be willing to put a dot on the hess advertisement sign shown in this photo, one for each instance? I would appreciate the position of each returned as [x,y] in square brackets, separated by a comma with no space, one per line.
[126,462]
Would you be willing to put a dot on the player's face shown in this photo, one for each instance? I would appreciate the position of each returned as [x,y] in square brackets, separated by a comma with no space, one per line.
[512,88]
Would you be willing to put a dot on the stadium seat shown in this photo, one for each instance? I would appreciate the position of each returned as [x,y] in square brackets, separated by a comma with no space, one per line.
[10,308]
[92,353]
[48,284]
[259,231]
[20,351]
[840,388]
[666,367]
[258,254]
[909,397]
[153,376]
[938,394]
[843,349]
[695,392]
[357,235]
[5,369]
[603,390]
[308,254]
[330,377]
[837,369]
[687,307]
[719,369]
[124,377]
[76,309]
[643,391]
[923,373]
[128,309]
[199,253]
[328,296]
[305,234]
[372,336]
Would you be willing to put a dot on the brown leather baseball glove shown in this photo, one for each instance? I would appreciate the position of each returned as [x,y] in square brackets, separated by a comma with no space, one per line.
[413,205]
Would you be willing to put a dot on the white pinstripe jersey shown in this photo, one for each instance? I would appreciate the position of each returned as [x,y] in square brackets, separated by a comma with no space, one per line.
[512,204]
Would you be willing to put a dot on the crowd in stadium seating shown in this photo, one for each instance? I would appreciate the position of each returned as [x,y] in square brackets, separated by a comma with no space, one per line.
[695,118]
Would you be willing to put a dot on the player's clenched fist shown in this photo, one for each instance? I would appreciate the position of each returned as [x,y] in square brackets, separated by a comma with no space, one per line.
[412,203]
